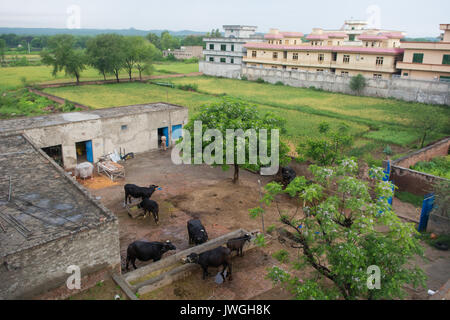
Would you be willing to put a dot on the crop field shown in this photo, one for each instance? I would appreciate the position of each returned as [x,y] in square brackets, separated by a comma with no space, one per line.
[12,77]
[299,124]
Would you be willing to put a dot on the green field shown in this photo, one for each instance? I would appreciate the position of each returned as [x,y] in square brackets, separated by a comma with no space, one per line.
[10,77]
[299,124]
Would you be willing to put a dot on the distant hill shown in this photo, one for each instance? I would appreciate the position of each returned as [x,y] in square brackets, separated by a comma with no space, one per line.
[92,32]
[423,39]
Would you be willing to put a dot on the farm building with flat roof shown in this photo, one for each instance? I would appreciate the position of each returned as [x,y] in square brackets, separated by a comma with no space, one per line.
[48,223]
[72,138]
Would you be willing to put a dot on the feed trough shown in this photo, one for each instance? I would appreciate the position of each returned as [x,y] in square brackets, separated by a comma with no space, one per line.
[168,270]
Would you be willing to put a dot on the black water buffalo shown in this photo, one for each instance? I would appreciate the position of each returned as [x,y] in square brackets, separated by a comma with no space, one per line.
[150,206]
[237,244]
[132,190]
[217,257]
[288,175]
[197,232]
[145,250]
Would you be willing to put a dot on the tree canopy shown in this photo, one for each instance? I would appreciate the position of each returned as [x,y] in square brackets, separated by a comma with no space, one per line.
[345,229]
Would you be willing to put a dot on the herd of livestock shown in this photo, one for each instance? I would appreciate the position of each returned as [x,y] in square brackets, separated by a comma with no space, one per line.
[145,250]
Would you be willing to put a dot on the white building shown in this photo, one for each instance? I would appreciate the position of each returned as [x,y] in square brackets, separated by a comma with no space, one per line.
[223,56]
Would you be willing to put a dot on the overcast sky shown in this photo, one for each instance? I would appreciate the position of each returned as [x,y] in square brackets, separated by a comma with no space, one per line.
[416,17]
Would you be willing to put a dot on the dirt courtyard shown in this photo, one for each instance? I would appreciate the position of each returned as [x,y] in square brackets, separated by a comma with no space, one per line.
[200,191]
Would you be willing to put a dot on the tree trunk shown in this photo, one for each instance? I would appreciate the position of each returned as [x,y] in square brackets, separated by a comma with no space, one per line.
[236,173]
[104,76]
[117,76]
[78,78]
[423,139]
[140,74]
[129,73]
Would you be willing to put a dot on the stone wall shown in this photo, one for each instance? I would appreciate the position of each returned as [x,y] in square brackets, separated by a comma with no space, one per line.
[39,270]
[433,92]
[108,134]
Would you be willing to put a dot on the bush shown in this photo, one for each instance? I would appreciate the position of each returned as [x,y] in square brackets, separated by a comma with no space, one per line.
[260,80]
[387,150]
[244,78]
[279,83]
[281,255]
[358,83]
[191,60]
[271,228]
[188,87]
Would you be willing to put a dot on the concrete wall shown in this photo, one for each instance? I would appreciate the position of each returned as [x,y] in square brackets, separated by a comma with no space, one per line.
[41,269]
[226,70]
[432,92]
[141,134]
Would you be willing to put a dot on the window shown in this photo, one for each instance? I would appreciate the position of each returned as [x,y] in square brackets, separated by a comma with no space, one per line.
[211,59]
[351,37]
[232,60]
[275,55]
[124,127]
[346,58]
[344,73]
[295,41]
[281,42]
[379,61]
[446,59]
[444,78]
[232,47]
[223,47]
[274,67]
[334,56]
[286,41]
[319,70]
[321,57]
[294,69]
[417,57]
[253,54]
[223,60]
[211,46]
[377,76]
[295,56]
[405,74]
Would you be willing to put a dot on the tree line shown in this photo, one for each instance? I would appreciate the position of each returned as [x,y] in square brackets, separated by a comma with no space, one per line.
[107,53]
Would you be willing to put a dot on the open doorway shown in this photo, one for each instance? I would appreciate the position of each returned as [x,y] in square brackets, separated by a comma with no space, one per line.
[55,152]
[84,151]
[163,132]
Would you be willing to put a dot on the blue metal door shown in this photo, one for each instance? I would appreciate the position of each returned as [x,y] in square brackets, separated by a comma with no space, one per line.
[89,153]
[176,132]
[427,206]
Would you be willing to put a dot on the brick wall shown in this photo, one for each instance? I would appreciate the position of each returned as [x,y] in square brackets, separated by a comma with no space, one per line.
[416,182]
[42,269]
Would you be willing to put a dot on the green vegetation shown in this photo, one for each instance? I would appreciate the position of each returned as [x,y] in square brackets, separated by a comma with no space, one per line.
[408,197]
[439,166]
[358,83]
[339,236]
[281,255]
[23,103]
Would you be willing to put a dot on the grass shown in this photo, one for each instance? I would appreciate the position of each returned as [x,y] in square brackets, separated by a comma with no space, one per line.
[10,77]
[299,124]
[408,197]
[439,166]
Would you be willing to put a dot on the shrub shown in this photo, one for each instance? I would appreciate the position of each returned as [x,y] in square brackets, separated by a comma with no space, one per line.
[188,87]
[357,83]
[244,78]
[191,60]
[260,80]
[281,255]
[271,228]
[387,150]
[279,83]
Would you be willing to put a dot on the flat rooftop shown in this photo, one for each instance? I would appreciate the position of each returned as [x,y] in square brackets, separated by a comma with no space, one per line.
[44,204]
[20,124]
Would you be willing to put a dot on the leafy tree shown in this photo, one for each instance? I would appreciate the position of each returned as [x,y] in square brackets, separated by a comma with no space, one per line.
[235,114]
[168,41]
[193,41]
[338,232]
[139,54]
[154,39]
[62,56]
[106,53]
[358,83]
[430,122]
[327,149]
